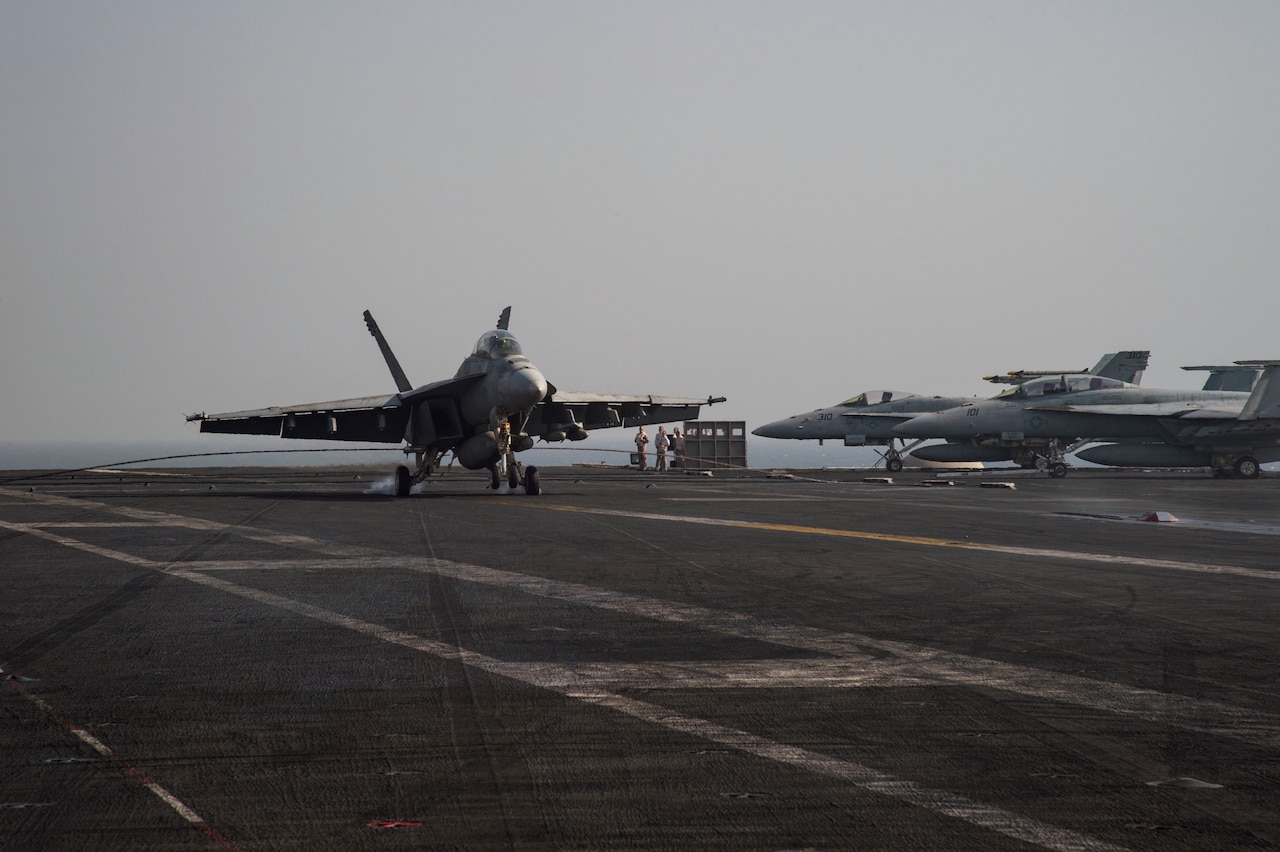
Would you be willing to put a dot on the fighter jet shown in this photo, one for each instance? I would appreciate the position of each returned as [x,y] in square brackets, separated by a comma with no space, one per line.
[866,420]
[869,418]
[1047,418]
[494,407]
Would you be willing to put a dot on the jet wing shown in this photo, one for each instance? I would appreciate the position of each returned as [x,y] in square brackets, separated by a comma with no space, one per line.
[379,419]
[564,409]
[369,418]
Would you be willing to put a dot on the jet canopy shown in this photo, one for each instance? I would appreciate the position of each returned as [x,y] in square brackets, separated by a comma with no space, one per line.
[497,344]
[1047,385]
[875,398]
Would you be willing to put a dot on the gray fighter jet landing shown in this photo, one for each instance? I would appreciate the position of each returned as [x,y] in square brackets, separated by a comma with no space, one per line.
[869,418]
[494,407]
[1047,418]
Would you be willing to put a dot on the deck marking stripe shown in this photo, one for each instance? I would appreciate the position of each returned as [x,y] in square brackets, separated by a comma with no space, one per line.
[1055,838]
[938,801]
[129,770]
[912,661]
[1192,714]
[1035,552]
[307,542]
[863,777]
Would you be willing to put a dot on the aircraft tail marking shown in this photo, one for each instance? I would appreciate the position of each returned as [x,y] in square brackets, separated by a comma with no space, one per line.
[1125,366]
[402,382]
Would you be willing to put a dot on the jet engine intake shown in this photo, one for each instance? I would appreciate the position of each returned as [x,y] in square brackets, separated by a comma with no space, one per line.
[478,451]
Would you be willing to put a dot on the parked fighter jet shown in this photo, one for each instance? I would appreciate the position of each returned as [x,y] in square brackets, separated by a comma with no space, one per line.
[1047,418]
[868,418]
[1230,445]
[493,408]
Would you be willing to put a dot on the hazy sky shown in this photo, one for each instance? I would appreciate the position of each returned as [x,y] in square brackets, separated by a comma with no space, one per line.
[784,203]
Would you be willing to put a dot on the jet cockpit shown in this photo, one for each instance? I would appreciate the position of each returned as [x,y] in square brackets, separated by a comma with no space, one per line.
[1048,385]
[875,398]
[497,344]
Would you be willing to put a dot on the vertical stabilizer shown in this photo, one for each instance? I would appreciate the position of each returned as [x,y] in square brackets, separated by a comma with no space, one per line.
[402,382]
[504,319]
[1264,402]
[1125,366]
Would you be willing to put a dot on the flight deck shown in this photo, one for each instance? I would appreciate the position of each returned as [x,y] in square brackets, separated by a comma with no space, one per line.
[283,659]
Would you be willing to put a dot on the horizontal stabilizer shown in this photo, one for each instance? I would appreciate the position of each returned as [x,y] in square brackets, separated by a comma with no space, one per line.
[1228,378]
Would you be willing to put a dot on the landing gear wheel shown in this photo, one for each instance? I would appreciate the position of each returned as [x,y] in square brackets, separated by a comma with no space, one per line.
[403,481]
[893,465]
[1057,470]
[1247,468]
[531,484]
[1042,463]
[495,481]
[513,477]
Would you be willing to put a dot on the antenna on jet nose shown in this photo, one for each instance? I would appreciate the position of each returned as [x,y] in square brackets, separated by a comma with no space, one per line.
[504,318]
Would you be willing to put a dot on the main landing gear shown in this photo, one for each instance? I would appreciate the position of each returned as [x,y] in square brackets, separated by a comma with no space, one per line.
[892,456]
[1053,461]
[516,475]
[1244,467]
[505,467]
[403,481]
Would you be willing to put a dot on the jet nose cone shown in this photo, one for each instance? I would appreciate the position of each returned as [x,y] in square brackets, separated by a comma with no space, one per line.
[776,429]
[523,389]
